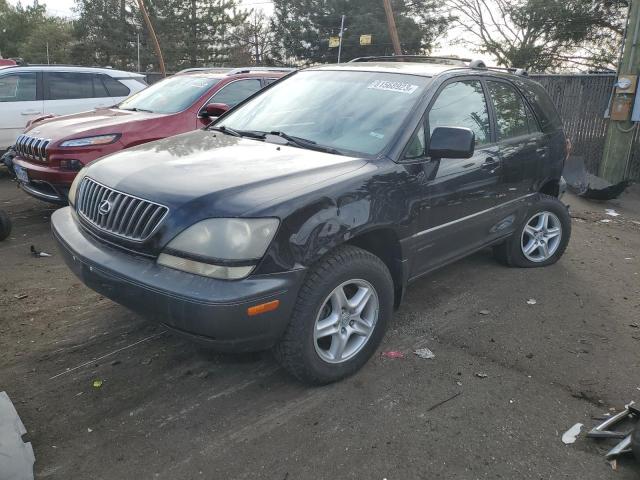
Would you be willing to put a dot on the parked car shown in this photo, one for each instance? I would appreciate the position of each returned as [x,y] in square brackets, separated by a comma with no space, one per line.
[27,92]
[50,153]
[297,220]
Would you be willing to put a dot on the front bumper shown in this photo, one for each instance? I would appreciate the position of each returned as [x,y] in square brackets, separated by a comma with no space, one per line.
[46,182]
[204,309]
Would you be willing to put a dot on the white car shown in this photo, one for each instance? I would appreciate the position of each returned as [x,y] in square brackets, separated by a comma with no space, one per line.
[27,92]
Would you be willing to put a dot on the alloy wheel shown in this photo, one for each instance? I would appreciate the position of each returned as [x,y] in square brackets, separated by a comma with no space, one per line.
[541,236]
[346,320]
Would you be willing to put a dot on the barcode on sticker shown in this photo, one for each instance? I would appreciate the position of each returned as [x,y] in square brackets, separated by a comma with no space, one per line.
[400,87]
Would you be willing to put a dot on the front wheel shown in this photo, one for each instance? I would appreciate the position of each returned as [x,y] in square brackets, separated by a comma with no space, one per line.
[541,239]
[340,317]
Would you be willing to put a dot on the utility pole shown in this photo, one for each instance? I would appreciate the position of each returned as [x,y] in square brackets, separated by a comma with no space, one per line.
[341,33]
[393,32]
[154,39]
[48,62]
[620,133]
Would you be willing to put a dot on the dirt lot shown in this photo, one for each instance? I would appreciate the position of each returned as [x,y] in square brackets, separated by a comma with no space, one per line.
[173,410]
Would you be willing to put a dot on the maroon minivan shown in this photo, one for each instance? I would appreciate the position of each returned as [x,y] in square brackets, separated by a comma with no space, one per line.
[51,152]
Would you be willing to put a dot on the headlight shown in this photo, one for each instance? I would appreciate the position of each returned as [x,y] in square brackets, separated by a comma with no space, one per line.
[74,186]
[90,141]
[227,248]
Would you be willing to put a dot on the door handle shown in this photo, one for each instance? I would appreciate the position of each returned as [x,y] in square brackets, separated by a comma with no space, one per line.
[490,163]
[30,112]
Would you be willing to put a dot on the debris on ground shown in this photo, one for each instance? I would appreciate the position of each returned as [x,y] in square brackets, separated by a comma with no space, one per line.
[97,383]
[481,375]
[532,301]
[37,253]
[587,185]
[425,353]
[393,354]
[20,296]
[628,439]
[484,312]
[611,212]
[17,456]
[570,435]
[433,407]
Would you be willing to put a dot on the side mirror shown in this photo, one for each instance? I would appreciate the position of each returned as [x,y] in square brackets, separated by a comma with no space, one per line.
[452,142]
[214,110]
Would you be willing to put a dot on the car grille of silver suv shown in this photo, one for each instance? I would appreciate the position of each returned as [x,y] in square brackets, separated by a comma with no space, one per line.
[32,148]
[118,213]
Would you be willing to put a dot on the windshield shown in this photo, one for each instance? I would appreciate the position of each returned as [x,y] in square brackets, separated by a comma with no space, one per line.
[350,111]
[171,95]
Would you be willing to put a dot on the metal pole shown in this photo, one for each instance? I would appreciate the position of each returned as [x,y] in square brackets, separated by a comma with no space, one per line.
[393,31]
[138,44]
[48,63]
[340,44]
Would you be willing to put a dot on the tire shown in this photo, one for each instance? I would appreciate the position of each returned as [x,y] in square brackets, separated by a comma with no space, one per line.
[5,225]
[513,251]
[303,350]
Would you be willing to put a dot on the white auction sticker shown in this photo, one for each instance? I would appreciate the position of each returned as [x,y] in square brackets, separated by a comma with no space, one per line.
[400,87]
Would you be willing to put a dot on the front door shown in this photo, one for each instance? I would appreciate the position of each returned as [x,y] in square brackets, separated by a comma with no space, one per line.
[19,102]
[457,196]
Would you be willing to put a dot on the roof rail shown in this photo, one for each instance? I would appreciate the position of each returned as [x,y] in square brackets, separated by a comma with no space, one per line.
[426,58]
[237,71]
[479,64]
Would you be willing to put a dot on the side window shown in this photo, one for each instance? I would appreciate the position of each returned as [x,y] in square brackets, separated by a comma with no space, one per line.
[511,116]
[99,89]
[534,127]
[19,87]
[417,146]
[462,104]
[114,87]
[69,85]
[235,92]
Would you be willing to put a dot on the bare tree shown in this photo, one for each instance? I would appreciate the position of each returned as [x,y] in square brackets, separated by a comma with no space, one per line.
[255,39]
[543,34]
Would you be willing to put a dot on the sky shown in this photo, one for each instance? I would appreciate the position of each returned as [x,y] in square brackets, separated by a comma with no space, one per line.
[64,8]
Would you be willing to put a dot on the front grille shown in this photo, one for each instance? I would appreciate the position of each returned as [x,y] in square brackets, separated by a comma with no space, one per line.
[32,148]
[118,213]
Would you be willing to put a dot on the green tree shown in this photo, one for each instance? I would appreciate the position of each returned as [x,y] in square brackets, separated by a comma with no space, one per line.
[543,35]
[54,35]
[303,27]
[16,24]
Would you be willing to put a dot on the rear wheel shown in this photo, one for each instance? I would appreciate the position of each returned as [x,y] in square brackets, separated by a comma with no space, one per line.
[340,317]
[541,239]
[5,225]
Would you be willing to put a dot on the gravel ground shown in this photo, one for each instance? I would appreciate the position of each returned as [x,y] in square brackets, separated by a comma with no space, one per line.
[169,409]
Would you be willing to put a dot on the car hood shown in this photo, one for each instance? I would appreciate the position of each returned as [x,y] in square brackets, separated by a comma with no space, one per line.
[213,174]
[101,121]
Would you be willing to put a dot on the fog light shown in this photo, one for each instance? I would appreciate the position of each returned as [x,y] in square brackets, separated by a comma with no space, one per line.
[71,165]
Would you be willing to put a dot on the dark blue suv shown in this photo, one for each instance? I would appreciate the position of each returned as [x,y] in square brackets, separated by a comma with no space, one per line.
[297,220]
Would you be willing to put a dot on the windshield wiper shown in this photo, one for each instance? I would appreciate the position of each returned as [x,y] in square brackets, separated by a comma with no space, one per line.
[136,109]
[238,133]
[306,143]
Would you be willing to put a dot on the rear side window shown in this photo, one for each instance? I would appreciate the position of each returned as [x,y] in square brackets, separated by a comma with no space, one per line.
[18,87]
[235,92]
[511,116]
[99,89]
[69,85]
[543,107]
[114,87]
[462,104]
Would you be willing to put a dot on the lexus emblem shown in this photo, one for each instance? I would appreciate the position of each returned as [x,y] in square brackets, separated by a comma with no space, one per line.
[104,207]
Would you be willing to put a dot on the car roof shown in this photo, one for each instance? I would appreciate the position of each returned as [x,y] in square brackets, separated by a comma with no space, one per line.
[409,68]
[73,68]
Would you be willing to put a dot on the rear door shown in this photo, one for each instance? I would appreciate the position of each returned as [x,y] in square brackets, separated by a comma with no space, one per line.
[73,92]
[457,196]
[519,139]
[20,101]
